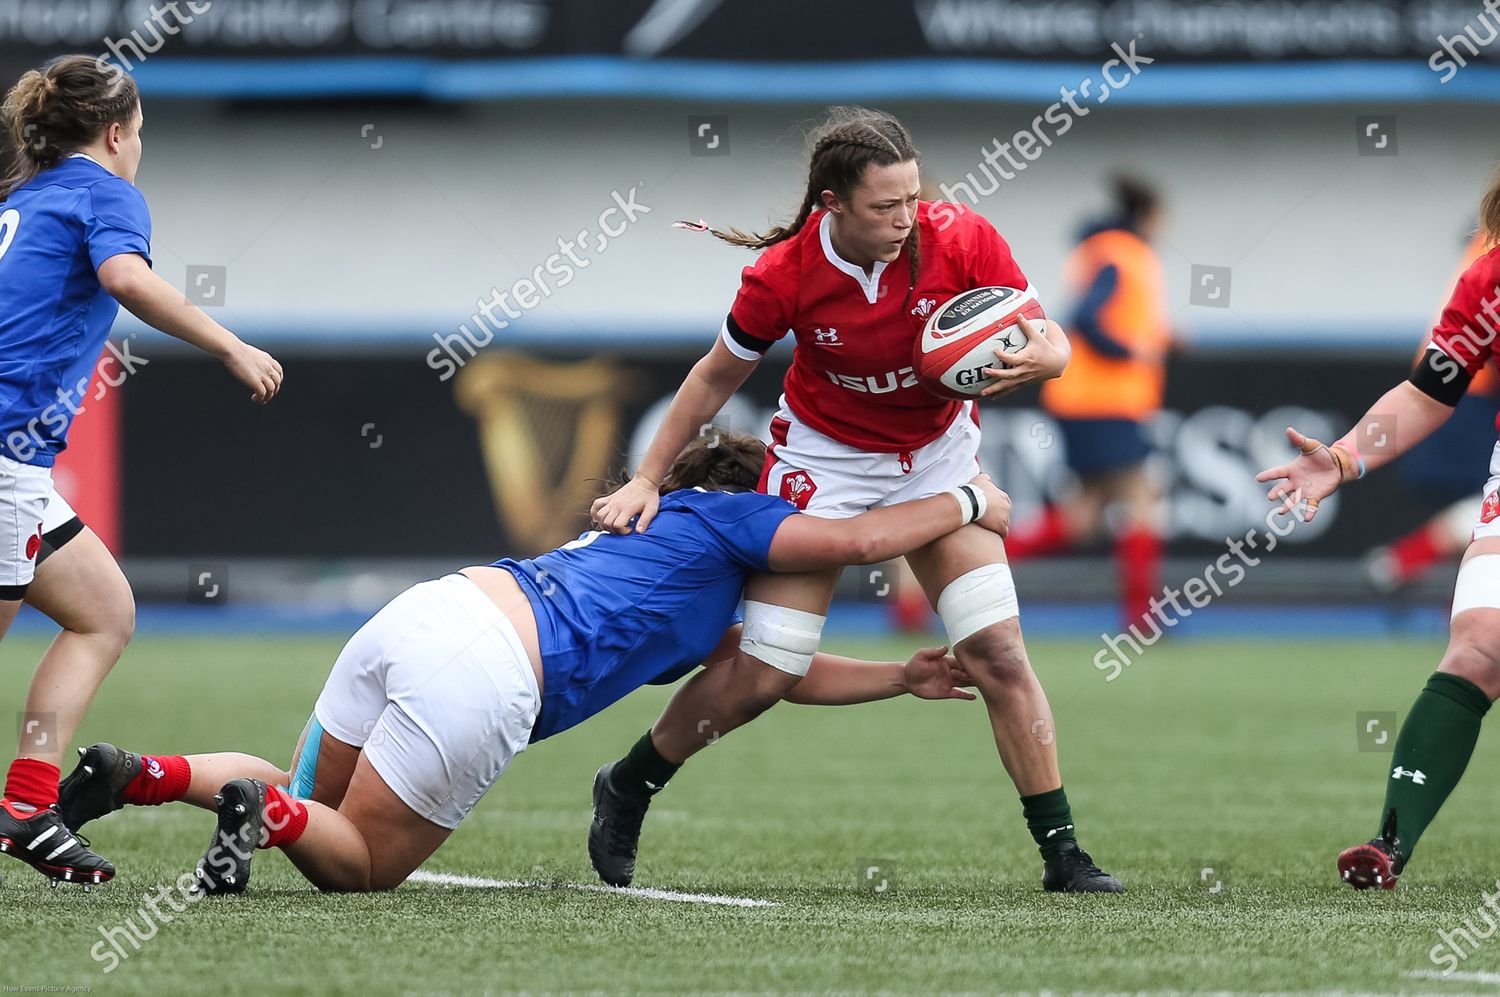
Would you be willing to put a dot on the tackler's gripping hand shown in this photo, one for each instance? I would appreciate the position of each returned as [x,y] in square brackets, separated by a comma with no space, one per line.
[636,500]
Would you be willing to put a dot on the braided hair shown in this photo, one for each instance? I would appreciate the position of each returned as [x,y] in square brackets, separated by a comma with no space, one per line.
[59,109]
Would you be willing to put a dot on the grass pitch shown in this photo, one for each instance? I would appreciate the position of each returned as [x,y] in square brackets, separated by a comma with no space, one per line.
[1240,758]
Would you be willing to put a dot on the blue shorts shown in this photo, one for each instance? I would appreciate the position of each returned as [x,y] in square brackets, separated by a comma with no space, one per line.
[1095,447]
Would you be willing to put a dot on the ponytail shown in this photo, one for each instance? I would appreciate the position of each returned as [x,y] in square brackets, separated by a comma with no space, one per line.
[56,110]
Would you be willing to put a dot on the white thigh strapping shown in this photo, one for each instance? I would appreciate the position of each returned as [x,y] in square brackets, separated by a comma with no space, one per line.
[977,599]
[786,639]
[1478,585]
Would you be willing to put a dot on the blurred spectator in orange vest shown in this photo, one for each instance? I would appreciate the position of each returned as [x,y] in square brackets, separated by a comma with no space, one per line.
[1109,395]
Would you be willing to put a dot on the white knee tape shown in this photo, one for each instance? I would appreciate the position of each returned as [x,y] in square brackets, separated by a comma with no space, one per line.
[786,639]
[976,600]
[1478,584]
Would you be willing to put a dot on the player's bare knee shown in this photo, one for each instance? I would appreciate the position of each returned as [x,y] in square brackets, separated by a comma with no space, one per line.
[1474,651]
[996,656]
[756,703]
[762,685]
[108,622]
[117,624]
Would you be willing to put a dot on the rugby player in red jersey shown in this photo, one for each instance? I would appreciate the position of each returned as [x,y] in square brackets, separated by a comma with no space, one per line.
[1439,733]
[852,278]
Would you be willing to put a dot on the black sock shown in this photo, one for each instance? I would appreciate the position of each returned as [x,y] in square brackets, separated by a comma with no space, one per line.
[643,771]
[1049,820]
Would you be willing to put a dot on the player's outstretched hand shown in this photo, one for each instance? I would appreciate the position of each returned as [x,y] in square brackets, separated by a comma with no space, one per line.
[933,673]
[256,370]
[1310,478]
[1039,360]
[637,499]
[996,516]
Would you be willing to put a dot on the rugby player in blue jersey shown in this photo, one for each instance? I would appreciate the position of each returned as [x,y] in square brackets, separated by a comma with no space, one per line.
[431,699]
[75,245]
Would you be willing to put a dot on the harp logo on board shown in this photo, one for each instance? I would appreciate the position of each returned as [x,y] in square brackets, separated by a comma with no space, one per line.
[547,433]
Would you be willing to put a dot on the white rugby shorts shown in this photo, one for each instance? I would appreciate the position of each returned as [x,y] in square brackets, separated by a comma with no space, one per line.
[437,690]
[1489,512]
[826,478]
[29,508]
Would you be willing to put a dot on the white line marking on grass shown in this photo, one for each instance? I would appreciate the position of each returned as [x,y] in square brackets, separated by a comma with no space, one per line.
[645,892]
[1457,977]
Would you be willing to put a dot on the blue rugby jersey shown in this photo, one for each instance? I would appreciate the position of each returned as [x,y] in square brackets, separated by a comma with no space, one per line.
[56,230]
[614,613]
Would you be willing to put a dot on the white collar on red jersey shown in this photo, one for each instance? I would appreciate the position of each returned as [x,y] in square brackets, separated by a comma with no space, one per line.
[870,283]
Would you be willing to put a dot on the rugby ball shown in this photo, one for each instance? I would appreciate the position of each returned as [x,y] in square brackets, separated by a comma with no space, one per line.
[960,338]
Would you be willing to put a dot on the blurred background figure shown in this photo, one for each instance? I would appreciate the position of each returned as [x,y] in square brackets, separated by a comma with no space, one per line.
[1450,468]
[511,322]
[1106,401]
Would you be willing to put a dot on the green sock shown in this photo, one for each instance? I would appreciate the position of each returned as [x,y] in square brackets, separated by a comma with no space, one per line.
[643,771]
[1432,751]
[1049,820]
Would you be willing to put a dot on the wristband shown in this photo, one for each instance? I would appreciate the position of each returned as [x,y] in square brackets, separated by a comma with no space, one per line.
[1351,466]
[971,501]
[1348,446]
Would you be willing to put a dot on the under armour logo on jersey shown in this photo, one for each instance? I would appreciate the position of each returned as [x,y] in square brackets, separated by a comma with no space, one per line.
[924,307]
[1417,775]
[827,337]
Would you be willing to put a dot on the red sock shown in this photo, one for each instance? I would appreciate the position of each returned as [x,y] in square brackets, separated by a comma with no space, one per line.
[285,819]
[162,779]
[32,782]
[1416,552]
[1046,535]
[1138,553]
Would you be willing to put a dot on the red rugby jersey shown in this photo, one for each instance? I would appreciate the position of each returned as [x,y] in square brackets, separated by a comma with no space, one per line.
[851,377]
[1469,328]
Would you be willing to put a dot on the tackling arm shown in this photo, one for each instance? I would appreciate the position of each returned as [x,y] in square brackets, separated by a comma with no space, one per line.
[834,680]
[809,543]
